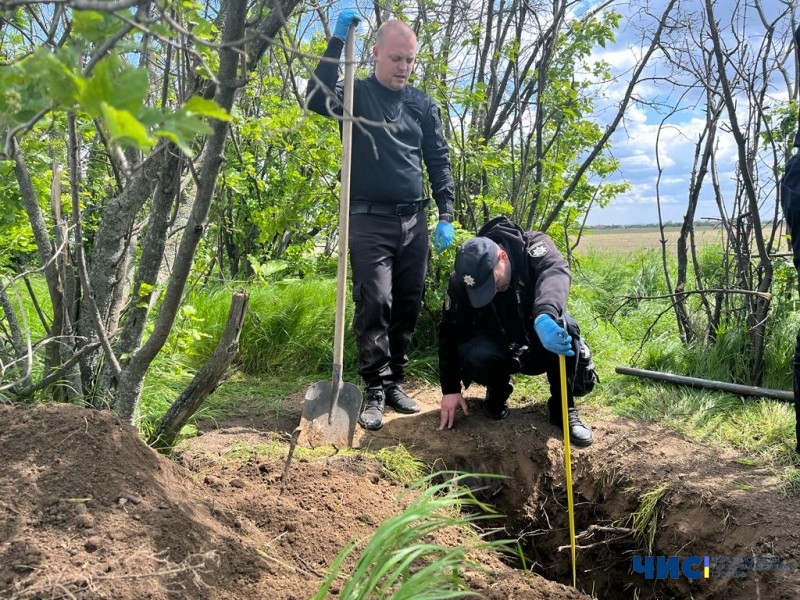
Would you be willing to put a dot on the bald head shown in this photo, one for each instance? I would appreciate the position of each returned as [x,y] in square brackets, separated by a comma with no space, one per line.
[395,53]
[394,27]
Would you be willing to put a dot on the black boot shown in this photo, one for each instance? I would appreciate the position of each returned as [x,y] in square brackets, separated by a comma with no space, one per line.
[494,406]
[371,416]
[397,398]
[579,434]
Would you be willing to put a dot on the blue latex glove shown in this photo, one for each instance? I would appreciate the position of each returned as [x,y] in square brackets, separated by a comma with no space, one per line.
[553,337]
[443,236]
[346,18]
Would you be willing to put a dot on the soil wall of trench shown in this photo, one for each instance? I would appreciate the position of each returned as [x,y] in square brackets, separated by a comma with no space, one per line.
[639,491]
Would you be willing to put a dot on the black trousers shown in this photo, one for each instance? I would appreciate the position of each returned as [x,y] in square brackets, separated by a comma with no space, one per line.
[389,260]
[487,359]
[796,388]
[790,202]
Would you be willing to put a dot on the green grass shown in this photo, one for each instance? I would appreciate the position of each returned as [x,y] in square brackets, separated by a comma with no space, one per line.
[402,560]
[762,429]
[286,346]
[645,519]
[625,333]
[792,477]
[244,395]
[400,464]
[288,329]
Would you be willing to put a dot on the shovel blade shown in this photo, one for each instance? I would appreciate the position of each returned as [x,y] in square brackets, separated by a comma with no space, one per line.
[322,425]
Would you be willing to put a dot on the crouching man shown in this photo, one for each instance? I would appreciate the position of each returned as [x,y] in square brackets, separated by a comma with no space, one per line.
[505,313]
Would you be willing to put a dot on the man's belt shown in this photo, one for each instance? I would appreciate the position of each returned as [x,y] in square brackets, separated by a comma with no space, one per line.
[362,207]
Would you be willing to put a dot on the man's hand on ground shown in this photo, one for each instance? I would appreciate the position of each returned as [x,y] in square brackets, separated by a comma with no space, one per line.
[450,402]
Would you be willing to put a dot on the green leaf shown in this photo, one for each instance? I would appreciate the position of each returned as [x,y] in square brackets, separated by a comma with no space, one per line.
[175,139]
[124,129]
[63,83]
[181,128]
[95,26]
[40,81]
[115,84]
[197,105]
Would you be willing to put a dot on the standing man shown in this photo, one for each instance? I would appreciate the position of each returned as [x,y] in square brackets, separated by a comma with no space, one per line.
[505,313]
[790,203]
[397,129]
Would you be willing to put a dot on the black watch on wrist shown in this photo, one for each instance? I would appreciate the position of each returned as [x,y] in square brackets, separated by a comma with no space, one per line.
[446,217]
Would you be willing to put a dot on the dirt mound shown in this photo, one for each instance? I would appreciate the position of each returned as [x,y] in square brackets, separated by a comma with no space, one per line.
[89,511]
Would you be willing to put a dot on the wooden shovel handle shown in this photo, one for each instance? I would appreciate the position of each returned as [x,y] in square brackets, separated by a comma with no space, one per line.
[344,204]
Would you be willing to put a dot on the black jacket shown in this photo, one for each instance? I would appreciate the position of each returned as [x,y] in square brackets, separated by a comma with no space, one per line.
[540,282]
[388,154]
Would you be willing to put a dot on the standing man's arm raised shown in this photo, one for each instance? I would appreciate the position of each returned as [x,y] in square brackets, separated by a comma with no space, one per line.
[323,96]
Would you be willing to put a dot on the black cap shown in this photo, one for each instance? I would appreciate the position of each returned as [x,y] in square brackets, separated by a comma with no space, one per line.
[475,262]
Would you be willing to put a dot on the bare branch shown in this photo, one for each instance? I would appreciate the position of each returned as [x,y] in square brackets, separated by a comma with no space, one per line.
[9,146]
[97,319]
[23,390]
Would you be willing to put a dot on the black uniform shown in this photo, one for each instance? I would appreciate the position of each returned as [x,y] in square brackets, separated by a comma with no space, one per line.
[487,345]
[388,239]
[790,203]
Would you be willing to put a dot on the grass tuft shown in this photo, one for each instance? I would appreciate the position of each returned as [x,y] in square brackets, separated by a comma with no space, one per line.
[402,561]
[644,521]
[792,477]
[400,464]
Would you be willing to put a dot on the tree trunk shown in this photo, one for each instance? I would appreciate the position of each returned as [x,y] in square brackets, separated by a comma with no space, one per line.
[229,79]
[205,381]
[48,260]
[106,264]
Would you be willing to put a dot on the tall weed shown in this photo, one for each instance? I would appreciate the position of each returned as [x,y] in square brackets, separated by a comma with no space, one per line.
[402,558]
[288,330]
[609,289]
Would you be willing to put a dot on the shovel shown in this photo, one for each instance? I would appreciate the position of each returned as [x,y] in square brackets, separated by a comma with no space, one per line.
[331,408]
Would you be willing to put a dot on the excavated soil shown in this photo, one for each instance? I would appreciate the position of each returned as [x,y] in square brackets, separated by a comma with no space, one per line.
[87,510]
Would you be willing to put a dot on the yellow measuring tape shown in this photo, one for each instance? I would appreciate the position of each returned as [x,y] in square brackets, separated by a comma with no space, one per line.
[562,363]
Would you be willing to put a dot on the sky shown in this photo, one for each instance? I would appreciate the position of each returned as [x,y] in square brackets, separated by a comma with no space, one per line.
[634,144]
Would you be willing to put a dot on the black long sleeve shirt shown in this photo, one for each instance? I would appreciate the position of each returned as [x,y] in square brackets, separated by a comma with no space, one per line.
[540,284]
[395,134]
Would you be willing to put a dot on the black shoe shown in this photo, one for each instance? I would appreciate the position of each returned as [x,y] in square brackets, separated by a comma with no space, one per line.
[494,406]
[496,412]
[399,400]
[371,416]
[579,434]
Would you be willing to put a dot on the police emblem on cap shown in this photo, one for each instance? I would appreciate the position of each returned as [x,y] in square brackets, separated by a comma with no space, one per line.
[537,249]
[468,280]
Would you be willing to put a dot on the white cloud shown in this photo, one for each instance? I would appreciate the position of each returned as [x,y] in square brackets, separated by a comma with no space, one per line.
[656,144]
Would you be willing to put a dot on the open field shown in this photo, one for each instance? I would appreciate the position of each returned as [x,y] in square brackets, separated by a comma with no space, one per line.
[637,239]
